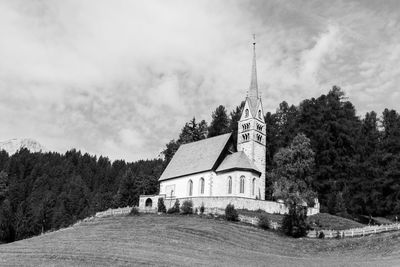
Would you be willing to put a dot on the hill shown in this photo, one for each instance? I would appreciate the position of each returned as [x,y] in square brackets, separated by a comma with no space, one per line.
[191,240]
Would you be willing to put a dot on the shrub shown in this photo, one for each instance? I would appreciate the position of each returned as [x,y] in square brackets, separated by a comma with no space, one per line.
[175,208]
[294,224]
[202,208]
[321,235]
[264,222]
[161,206]
[187,207]
[134,211]
[171,210]
[231,213]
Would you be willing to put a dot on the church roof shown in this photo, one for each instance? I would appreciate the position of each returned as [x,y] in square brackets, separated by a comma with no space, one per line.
[196,157]
[238,160]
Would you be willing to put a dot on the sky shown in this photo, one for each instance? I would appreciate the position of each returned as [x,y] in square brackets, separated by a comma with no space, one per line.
[120,78]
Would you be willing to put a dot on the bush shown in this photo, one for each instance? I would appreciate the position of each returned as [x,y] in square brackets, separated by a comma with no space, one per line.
[161,206]
[175,208]
[321,235]
[294,224]
[187,207]
[264,222]
[134,211]
[202,208]
[231,213]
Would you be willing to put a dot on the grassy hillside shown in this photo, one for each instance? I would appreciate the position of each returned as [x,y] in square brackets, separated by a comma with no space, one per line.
[318,221]
[191,240]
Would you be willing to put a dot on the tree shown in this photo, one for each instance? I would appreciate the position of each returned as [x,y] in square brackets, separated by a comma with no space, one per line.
[293,173]
[234,119]
[334,129]
[191,132]
[220,122]
[3,185]
[294,223]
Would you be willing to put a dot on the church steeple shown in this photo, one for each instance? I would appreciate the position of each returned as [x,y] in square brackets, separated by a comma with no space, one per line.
[253,90]
[252,129]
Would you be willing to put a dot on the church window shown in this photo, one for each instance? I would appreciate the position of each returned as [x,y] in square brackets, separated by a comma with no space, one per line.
[190,188]
[246,113]
[259,114]
[259,138]
[229,185]
[201,185]
[242,184]
[253,188]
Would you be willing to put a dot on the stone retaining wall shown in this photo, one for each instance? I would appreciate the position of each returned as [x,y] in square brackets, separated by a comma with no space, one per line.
[220,203]
[239,203]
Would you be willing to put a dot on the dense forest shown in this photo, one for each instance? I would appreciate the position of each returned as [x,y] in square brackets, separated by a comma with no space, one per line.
[356,167]
[44,191]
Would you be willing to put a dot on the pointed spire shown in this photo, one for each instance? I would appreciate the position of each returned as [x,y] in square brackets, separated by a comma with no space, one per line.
[253,90]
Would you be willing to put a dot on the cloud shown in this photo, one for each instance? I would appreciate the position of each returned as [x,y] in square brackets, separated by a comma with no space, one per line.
[121,78]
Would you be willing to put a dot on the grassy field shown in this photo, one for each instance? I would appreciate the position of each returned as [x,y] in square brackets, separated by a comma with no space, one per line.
[191,240]
[318,221]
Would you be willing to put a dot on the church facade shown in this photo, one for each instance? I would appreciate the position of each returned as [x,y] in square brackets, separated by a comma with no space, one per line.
[214,172]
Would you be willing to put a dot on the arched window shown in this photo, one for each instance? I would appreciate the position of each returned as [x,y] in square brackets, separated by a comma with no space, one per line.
[190,188]
[246,113]
[148,203]
[259,114]
[201,185]
[229,185]
[253,187]
[242,184]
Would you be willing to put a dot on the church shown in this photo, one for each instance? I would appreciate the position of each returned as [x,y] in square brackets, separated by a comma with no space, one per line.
[214,172]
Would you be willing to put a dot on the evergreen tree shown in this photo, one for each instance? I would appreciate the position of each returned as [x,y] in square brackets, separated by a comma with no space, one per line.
[220,122]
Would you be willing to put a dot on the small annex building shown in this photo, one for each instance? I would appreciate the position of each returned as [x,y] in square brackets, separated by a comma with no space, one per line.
[214,172]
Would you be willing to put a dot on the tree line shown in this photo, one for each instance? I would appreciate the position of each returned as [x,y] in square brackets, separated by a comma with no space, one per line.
[46,191]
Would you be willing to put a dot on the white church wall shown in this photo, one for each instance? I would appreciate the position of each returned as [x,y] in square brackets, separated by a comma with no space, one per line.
[180,185]
[220,184]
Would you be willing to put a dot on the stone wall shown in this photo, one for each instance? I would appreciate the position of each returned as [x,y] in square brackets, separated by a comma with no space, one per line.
[154,203]
[239,203]
[218,204]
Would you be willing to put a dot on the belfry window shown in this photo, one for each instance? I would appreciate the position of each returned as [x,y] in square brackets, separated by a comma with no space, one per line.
[246,113]
[259,114]
[253,187]
[242,184]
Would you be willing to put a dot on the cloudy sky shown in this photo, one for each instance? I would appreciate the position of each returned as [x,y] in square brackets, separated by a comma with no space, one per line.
[120,78]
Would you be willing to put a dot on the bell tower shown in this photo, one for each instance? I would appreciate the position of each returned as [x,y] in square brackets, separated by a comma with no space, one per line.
[251,128]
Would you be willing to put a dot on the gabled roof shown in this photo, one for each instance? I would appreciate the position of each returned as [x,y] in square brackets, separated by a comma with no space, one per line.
[238,160]
[196,157]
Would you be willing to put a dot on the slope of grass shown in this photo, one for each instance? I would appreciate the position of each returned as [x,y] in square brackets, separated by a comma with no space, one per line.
[318,221]
[191,240]
[327,221]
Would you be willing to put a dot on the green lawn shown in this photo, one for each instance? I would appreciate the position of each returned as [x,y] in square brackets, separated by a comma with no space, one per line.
[191,240]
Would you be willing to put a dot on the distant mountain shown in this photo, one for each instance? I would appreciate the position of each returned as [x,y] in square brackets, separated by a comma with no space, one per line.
[13,145]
